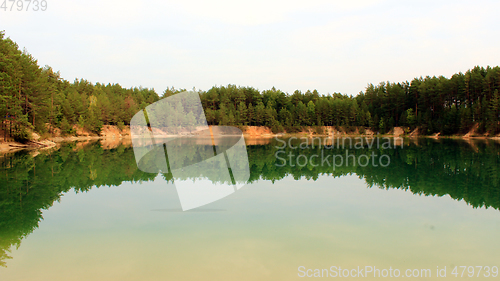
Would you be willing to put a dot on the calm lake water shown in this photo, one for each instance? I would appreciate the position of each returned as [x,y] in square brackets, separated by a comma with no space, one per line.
[85,212]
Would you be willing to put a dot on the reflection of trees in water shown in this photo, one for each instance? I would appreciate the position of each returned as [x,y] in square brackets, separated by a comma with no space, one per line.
[464,172]
[30,184]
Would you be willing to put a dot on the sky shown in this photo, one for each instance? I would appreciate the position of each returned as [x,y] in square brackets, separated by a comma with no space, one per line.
[331,46]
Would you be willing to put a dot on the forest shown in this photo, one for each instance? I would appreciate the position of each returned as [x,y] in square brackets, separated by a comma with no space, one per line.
[37,98]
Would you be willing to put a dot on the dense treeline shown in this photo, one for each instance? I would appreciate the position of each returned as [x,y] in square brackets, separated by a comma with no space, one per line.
[433,104]
[438,104]
[37,98]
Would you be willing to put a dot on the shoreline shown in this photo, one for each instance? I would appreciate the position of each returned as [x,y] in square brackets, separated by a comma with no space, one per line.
[249,132]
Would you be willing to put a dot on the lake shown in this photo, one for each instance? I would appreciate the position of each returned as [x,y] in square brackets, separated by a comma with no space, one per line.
[423,208]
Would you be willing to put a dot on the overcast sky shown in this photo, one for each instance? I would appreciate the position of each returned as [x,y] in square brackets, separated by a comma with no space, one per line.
[331,46]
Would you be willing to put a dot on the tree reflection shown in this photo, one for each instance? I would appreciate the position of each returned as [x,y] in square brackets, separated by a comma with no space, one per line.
[31,182]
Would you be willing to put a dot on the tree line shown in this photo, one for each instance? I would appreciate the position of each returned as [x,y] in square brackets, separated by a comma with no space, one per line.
[432,104]
[37,98]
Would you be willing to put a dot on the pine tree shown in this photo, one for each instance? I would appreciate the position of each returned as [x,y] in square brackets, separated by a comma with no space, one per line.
[242,114]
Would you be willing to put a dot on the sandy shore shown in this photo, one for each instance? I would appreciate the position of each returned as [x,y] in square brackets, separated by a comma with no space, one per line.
[112,137]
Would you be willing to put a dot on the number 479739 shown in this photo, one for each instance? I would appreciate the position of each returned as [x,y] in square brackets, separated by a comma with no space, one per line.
[23,5]
[475,271]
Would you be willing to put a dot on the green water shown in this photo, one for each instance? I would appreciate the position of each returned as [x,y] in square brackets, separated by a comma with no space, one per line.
[82,212]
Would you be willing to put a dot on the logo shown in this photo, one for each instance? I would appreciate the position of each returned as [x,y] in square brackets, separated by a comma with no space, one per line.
[172,136]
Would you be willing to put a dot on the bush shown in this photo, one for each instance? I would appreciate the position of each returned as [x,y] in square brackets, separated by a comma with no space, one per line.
[120,125]
[319,130]
[276,127]
[93,123]
[349,129]
[41,127]
[21,134]
[94,128]
[66,128]
[292,129]
[243,128]
[81,121]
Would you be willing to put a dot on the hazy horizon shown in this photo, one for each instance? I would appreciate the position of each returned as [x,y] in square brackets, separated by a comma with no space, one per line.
[323,45]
